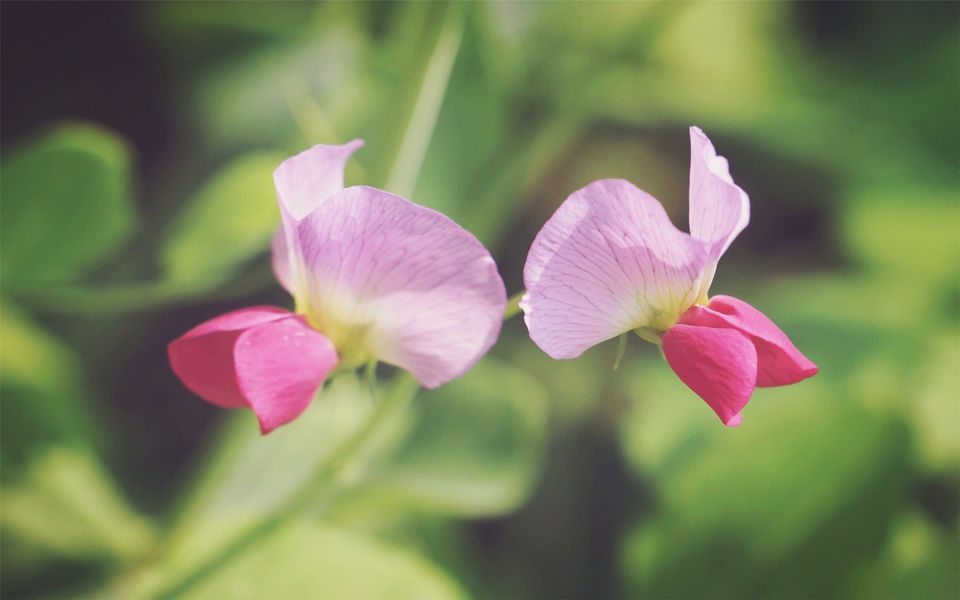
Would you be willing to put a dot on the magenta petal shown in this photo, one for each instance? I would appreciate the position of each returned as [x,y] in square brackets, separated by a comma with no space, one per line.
[719,365]
[401,283]
[279,367]
[203,357]
[780,363]
[609,260]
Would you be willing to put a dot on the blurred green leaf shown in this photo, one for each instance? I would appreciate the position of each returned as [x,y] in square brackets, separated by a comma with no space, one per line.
[69,505]
[918,561]
[251,476]
[933,408]
[42,388]
[808,484]
[66,205]
[303,560]
[475,449]
[910,232]
[231,219]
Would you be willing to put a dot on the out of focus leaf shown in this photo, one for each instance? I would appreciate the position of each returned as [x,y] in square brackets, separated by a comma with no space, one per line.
[69,506]
[251,476]
[919,561]
[476,447]
[303,560]
[309,91]
[42,389]
[228,221]
[933,406]
[66,205]
[808,484]
[910,232]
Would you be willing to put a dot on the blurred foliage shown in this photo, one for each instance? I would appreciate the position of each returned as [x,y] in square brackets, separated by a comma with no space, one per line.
[67,203]
[527,477]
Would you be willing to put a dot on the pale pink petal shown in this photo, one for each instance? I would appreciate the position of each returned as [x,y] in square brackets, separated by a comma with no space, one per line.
[307,179]
[303,182]
[719,365]
[779,361]
[401,283]
[719,209]
[280,259]
[609,260]
[279,367]
[203,357]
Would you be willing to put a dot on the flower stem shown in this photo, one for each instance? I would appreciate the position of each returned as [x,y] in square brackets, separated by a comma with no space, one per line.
[513,305]
[326,476]
[416,139]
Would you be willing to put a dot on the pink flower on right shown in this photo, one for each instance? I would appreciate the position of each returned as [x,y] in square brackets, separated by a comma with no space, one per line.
[610,261]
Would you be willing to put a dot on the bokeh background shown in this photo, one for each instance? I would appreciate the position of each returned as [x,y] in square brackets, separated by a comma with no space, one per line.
[138,141]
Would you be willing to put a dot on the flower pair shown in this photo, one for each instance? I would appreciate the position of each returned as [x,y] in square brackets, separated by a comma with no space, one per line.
[378,278]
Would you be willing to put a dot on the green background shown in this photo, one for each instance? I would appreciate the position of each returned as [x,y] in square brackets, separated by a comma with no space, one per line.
[137,201]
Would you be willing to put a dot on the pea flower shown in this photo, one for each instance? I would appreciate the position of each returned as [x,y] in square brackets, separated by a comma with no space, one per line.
[373,276]
[610,261]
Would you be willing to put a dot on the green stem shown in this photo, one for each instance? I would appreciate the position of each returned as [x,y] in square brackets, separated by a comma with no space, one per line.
[326,476]
[306,111]
[513,305]
[416,139]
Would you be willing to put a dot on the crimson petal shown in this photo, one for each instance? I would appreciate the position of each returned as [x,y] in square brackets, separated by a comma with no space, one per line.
[719,365]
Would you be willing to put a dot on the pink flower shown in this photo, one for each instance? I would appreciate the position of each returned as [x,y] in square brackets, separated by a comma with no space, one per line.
[374,277]
[610,261]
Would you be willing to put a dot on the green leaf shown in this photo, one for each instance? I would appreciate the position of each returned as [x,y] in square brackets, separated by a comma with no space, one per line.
[476,447]
[68,505]
[910,232]
[251,476]
[42,389]
[932,407]
[807,485]
[228,221]
[66,205]
[303,560]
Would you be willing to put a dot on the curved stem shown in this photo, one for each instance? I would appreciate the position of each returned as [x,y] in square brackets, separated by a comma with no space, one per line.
[513,305]
[416,139]
[327,474]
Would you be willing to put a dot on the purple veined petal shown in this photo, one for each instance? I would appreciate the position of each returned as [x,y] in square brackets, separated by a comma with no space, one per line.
[719,365]
[609,260]
[303,182]
[401,283]
[779,361]
[280,365]
[203,357]
[719,209]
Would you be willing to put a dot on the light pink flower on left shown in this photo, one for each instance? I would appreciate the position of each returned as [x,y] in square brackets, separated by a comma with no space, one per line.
[373,276]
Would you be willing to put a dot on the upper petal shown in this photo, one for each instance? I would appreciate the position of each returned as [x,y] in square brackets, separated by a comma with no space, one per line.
[720,365]
[779,361]
[402,283]
[279,367]
[303,182]
[203,357]
[609,260]
[719,209]
[307,179]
